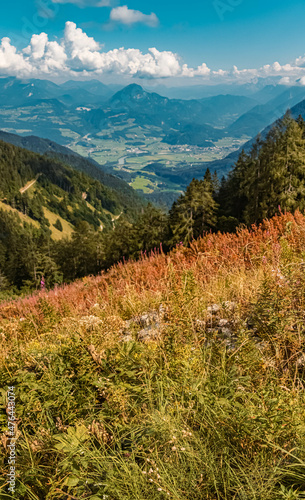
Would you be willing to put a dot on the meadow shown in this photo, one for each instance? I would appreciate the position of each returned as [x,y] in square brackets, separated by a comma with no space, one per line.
[178,376]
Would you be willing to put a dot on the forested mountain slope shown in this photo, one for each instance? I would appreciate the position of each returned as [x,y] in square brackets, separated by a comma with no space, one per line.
[126,196]
[58,186]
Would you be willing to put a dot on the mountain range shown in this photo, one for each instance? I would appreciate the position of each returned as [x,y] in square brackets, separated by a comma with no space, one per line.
[59,112]
[225,164]
[167,140]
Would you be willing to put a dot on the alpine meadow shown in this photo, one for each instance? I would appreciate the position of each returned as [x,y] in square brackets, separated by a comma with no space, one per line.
[152,250]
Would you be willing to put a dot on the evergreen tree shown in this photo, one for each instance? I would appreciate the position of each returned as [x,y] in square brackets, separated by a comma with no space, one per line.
[58,225]
[193,213]
[150,228]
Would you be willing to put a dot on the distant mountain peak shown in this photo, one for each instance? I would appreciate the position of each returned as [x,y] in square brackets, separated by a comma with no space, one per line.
[133,87]
[132,91]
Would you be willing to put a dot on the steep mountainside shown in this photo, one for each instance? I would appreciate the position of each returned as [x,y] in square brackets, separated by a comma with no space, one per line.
[133,128]
[258,118]
[127,197]
[21,91]
[151,108]
[146,108]
[46,190]
[194,135]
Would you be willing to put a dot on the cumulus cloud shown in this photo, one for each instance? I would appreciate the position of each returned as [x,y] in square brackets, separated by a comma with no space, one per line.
[289,72]
[285,80]
[10,60]
[300,61]
[78,54]
[49,57]
[127,16]
[202,70]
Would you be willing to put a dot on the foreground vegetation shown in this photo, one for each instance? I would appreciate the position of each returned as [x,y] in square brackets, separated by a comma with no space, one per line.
[189,414]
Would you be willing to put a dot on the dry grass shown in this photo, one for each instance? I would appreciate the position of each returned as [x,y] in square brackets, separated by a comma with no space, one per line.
[183,417]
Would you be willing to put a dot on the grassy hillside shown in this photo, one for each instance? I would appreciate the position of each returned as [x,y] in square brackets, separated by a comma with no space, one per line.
[23,217]
[179,376]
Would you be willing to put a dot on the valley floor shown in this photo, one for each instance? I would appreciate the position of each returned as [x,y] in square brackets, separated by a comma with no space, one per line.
[152,166]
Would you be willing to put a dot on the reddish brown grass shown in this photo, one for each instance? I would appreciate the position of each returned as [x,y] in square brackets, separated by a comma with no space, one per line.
[246,250]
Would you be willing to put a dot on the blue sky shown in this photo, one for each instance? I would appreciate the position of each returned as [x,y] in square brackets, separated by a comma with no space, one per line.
[220,34]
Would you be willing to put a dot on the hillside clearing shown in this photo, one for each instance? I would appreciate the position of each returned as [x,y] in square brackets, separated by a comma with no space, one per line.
[23,217]
[52,218]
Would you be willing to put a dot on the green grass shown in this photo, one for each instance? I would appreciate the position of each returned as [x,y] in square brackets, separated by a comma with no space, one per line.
[69,133]
[52,218]
[142,183]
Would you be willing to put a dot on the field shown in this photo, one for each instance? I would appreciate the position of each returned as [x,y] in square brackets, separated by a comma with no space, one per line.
[128,156]
[180,376]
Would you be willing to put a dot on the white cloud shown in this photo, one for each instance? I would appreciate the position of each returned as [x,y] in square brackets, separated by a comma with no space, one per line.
[79,55]
[202,70]
[301,81]
[285,80]
[300,61]
[127,16]
[12,62]
[287,71]
[220,73]
[43,56]
[77,40]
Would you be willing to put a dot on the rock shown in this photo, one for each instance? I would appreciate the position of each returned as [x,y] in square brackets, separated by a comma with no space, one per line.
[231,344]
[147,319]
[127,338]
[223,322]
[149,334]
[214,309]
[150,323]
[300,363]
[226,332]
[231,306]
